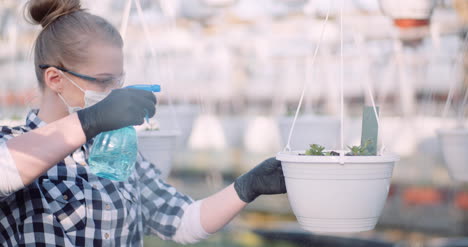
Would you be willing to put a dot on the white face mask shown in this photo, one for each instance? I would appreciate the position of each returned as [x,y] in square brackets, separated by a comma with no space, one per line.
[90,97]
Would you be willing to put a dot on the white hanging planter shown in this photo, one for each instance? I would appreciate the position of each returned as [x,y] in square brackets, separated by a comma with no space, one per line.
[207,134]
[403,9]
[311,129]
[219,3]
[454,145]
[338,194]
[185,114]
[326,196]
[158,147]
[234,128]
[262,135]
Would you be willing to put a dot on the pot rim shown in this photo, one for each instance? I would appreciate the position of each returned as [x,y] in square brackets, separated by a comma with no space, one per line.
[309,117]
[294,157]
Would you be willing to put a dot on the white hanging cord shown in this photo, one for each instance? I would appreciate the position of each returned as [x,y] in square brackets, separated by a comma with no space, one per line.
[169,10]
[388,73]
[432,56]
[342,151]
[452,86]
[306,83]
[386,80]
[125,17]
[436,40]
[363,52]
[199,88]
[150,42]
[145,28]
[461,112]
[379,130]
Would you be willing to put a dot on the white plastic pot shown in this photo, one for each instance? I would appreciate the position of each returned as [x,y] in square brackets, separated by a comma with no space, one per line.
[158,147]
[207,134]
[403,9]
[185,115]
[326,196]
[262,135]
[234,128]
[454,145]
[311,129]
[219,3]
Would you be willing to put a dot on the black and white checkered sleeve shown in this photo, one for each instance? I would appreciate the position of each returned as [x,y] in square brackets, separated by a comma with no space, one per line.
[162,205]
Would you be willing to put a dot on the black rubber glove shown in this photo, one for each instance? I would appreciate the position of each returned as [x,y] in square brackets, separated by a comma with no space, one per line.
[265,179]
[121,108]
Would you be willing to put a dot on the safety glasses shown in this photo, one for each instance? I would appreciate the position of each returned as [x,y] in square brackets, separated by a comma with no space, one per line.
[111,81]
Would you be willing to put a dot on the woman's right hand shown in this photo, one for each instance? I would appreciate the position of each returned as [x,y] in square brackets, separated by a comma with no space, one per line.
[123,107]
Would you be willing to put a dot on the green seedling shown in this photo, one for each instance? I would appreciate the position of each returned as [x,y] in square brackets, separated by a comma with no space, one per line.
[318,150]
[315,149]
[359,150]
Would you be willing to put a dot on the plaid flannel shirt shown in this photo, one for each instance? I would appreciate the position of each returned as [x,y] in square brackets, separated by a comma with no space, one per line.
[70,206]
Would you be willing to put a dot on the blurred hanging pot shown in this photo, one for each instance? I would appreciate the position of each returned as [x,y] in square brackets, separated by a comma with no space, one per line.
[262,135]
[158,147]
[454,145]
[420,196]
[219,3]
[185,116]
[461,200]
[411,23]
[196,10]
[411,17]
[327,196]
[406,14]
[234,128]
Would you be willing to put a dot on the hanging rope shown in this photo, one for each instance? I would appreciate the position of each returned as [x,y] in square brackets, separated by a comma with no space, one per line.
[461,111]
[150,42]
[358,42]
[169,10]
[306,83]
[125,17]
[342,152]
[458,62]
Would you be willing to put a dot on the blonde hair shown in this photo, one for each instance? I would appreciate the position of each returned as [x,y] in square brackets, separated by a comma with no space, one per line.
[68,31]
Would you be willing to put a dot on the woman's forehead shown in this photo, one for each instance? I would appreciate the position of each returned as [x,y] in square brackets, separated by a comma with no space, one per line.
[103,60]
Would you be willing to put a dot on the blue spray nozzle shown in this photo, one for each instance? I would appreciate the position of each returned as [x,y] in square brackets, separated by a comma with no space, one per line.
[148,87]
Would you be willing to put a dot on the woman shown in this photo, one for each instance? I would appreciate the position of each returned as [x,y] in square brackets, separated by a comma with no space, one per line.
[48,197]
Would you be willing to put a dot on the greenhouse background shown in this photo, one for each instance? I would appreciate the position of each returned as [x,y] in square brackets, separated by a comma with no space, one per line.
[232,73]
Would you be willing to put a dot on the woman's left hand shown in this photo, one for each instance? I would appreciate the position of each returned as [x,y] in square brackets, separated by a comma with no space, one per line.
[265,179]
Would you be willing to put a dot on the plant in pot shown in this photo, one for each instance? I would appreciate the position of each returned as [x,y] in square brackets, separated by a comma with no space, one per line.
[158,147]
[339,191]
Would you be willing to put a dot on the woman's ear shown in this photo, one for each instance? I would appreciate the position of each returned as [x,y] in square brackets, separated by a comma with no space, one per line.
[53,79]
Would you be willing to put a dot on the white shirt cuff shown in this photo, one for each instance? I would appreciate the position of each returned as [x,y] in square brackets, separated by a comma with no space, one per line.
[191,230]
[10,179]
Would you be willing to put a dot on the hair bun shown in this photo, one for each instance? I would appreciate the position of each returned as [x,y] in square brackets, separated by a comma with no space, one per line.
[44,12]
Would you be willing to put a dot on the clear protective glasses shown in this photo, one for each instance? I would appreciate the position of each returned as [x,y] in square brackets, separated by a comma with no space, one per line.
[107,82]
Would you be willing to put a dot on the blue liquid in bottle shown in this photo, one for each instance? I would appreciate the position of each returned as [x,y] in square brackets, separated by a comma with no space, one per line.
[113,154]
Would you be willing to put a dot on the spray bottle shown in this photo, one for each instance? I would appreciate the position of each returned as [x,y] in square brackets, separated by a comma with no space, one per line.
[113,154]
